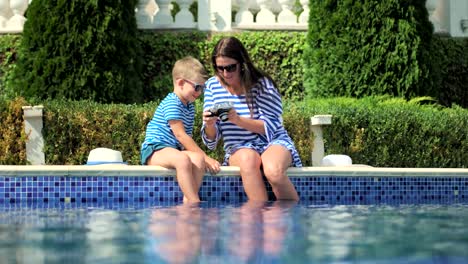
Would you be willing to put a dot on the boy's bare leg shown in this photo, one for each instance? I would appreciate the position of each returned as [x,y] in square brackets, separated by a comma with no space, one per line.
[198,169]
[249,163]
[174,159]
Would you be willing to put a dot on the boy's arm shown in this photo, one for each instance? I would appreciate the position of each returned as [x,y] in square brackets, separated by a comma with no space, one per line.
[187,141]
[177,127]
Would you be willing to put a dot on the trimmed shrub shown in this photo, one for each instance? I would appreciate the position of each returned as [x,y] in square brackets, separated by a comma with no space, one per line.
[449,72]
[369,47]
[80,49]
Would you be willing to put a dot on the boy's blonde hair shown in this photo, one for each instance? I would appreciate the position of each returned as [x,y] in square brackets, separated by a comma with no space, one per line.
[188,68]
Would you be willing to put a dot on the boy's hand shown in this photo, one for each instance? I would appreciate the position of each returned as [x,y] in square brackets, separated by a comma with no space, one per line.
[212,165]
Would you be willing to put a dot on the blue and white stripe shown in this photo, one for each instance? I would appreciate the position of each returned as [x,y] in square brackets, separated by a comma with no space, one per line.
[158,130]
[267,107]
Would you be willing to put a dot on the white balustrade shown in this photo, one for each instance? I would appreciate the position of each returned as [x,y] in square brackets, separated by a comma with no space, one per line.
[215,15]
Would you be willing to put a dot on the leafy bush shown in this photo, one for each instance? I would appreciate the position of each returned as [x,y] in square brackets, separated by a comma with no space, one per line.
[8,54]
[80,50]
[12,140]
[390,132]
[370,47]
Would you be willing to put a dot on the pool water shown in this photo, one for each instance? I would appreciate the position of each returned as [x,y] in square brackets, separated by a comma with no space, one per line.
[275,232]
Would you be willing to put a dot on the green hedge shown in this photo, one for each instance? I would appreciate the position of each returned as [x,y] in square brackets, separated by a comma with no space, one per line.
[382,132]
[279,53]
[390,132]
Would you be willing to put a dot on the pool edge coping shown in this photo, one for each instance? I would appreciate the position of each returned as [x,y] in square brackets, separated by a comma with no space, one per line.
[226,171]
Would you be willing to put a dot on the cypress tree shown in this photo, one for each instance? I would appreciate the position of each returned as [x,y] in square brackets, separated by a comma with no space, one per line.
[80,49]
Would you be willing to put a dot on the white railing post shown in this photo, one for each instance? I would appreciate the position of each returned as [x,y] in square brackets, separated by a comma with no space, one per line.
[184,18]
[243,16]
[163,17]
[286,16]
[214,15]
[304,16]
[143,18]
[265,16]
[318,149]
[437,10]
[32,116]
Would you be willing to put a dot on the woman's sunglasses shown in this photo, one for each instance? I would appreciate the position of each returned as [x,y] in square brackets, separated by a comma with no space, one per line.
[228,68]
[196,86]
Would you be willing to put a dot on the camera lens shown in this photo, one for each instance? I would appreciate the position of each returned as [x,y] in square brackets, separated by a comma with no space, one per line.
[223,116]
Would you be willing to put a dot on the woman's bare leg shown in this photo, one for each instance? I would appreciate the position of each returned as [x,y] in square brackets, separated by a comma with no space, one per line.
[249,163]
[276,160]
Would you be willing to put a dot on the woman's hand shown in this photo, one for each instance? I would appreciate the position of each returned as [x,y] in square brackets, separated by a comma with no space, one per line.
[208,119]
[233,117]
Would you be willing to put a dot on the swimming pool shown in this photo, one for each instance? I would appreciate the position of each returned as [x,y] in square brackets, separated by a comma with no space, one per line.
[132,214]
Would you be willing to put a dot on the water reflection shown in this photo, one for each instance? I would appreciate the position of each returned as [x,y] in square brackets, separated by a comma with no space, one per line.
[250,232]
[258,230]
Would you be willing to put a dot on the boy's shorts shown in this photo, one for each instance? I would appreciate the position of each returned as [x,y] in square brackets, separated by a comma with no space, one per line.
[150,149]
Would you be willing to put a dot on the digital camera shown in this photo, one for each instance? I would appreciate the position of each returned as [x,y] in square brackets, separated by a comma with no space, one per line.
[221,110]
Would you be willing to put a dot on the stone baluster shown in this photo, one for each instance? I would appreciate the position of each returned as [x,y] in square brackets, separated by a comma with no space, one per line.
[163,18]
[5,13]
[184,18]
[437,10]
[304,17]
[16,22]
[143,17]
[265,16]
[286,16]
[243,15]
[431,6]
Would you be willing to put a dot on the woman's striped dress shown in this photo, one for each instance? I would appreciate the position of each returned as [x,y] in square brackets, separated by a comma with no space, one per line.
[267,107]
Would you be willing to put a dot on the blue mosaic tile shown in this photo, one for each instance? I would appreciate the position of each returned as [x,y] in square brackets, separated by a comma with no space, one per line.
[321,190]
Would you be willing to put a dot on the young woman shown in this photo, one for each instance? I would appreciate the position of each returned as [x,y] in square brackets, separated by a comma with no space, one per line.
[253,135]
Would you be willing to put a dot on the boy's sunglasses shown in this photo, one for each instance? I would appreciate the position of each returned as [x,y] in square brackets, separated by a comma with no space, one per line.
[198,87]
[228,68]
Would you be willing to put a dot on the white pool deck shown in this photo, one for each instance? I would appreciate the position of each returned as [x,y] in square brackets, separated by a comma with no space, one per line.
[154,171]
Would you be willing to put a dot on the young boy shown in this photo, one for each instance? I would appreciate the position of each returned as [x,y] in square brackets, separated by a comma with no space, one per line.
[168,141]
